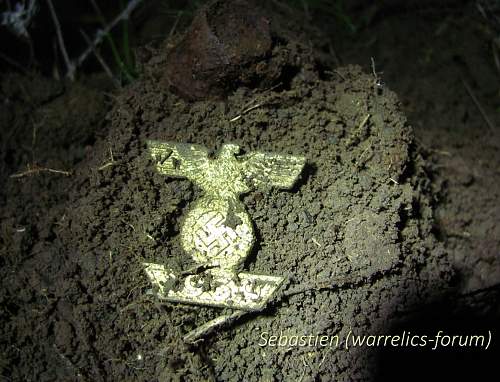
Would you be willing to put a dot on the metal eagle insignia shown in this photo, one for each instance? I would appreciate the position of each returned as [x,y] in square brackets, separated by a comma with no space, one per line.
[217,231]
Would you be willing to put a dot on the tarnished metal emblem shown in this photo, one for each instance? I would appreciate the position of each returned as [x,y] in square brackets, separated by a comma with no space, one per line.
[217,231]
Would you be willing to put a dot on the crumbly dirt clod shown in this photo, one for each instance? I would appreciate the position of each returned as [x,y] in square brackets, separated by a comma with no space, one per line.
[229,43]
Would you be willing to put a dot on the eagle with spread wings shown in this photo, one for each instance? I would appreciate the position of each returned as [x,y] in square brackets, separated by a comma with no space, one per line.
[229,170]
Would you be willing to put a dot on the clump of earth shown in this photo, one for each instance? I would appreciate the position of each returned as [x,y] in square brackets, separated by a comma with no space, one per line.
[354,238]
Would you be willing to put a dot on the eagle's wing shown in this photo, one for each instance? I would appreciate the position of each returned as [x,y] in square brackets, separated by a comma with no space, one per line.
[266,170]
[178,159]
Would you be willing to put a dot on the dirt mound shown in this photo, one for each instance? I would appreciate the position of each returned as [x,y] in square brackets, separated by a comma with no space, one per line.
[353,238]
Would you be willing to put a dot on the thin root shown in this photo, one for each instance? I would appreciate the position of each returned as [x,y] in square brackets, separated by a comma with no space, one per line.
[246,111]
[197,334]
[33,170]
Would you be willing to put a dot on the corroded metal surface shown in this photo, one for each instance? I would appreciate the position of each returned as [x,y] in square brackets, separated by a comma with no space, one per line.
[223,289]
[217,231]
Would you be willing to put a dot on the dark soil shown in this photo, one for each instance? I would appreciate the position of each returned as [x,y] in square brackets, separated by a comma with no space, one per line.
[437,50]
[392,227]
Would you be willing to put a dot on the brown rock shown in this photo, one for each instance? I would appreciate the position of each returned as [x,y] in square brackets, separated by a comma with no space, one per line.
[226,45]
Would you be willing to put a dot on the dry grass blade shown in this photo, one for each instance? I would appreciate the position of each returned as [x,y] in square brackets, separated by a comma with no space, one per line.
[479,106]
